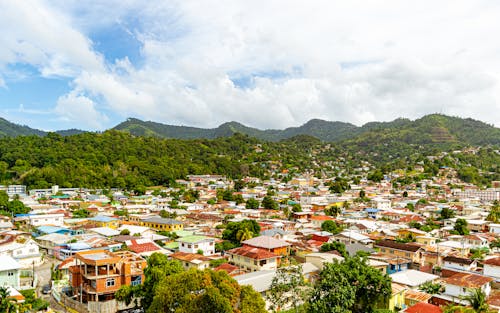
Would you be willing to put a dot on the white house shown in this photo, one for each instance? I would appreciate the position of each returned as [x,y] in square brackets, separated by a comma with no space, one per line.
[46,220]
[456,263]
[494,228]
[194,244]
[9,272]
[459,284]
[492,268]
[26,253]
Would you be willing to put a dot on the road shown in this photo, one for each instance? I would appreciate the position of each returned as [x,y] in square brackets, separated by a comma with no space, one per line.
[43,274]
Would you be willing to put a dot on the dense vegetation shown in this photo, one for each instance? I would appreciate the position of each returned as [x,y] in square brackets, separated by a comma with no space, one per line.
[121,160]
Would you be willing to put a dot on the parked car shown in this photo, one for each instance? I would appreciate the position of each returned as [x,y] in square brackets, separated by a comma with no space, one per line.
[46,289]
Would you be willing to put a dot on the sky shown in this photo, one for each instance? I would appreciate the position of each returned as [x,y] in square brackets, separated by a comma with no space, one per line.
[267,64]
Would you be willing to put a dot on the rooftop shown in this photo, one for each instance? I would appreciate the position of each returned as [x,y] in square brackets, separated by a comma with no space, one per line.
[468,280]
[265,242]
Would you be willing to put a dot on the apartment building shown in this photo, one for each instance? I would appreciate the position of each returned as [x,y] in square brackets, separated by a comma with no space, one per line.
[98,274]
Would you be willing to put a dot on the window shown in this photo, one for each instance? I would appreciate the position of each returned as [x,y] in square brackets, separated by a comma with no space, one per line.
[196,246]
[32,250]
[10,274]
[189,246]
[110,282]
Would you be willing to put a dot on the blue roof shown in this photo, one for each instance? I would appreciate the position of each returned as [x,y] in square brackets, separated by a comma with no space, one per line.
[52,229]
[101,218]
[371,210]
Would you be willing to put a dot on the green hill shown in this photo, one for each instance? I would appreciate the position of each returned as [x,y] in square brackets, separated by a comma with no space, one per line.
[9,129]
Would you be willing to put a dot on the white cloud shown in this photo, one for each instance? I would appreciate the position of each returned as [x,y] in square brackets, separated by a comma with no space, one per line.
[79,111]
[354,61]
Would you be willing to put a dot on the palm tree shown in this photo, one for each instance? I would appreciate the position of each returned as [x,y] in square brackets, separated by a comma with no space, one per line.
[7,303]
[244,234]
[477,300]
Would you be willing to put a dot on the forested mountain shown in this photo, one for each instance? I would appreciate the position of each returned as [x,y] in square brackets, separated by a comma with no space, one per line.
[9,129]
[430,129]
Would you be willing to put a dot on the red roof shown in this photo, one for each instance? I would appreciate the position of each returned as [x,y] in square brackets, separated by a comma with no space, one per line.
[423,307]
[252,252]
[142,247]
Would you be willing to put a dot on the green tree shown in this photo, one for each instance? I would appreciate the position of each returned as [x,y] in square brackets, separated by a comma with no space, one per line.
[335,246]
[288,289]
[269,203]
[252,204]
[447,213]
[461,226]
[234,228]
[7,303]
[477,300]
[431,288]
[350,286]
[376,176]
[333,211]
[296,207]
[125,232]
[244,234]
[331,227]
[203,291]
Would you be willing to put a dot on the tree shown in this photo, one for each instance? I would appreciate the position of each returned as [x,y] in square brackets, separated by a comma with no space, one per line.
[252,204]
[335,246]
[244,234]
[333,211]
[331,227]
[204,291]
[350,286]
[269,203]
[288,288]
[296,207]
[431,288]
[7,303]
[447,213]
[232,231]
[477,300]
[461,226]
[494,215]
[376,176]
[125,232]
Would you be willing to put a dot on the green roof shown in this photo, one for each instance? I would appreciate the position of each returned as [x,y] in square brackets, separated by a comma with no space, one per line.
[193,239]
[172,245]
[183,233]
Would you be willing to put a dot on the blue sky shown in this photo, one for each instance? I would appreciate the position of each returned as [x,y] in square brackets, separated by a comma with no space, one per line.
[91,65]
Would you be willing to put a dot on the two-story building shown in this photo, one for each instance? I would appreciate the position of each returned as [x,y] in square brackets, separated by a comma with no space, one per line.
[162,224]
[196,244]
[253,259]
[105,221]
[98,274]
[191,260]
[9,272]
[398,249]
[25,252]
[46,220]
[491,268]
[276,246]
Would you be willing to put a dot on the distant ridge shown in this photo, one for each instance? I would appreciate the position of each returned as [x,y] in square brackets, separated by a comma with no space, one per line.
[431,129]
[9,129]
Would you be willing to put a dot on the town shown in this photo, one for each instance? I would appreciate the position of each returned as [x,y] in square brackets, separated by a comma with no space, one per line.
[437,239]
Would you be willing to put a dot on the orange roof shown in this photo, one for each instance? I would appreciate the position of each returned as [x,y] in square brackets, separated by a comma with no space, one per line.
[189,257]
[468,280]
[493,261]
[253,253]
[321,218]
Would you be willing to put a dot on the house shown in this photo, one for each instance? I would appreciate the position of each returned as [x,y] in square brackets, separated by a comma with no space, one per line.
[276,246]
[413,297]
[318,259]
[318,220]
[352,237]
[491,268]
[412,278]
[426,240]
[397,299]
[105,221]
[196,244]
[144,247]
[191,260]
[46,220]
[50,241]
[494,228]
[459,284]
[399,249]
[25,252]
[98,274]
[162,224]
[457,263]
[232,270]
[260,281]
[9,272]
[253,259]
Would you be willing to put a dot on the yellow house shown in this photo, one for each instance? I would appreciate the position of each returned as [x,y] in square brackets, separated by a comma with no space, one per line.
[426,240]
[397,300]
[105,221]
[162,224]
